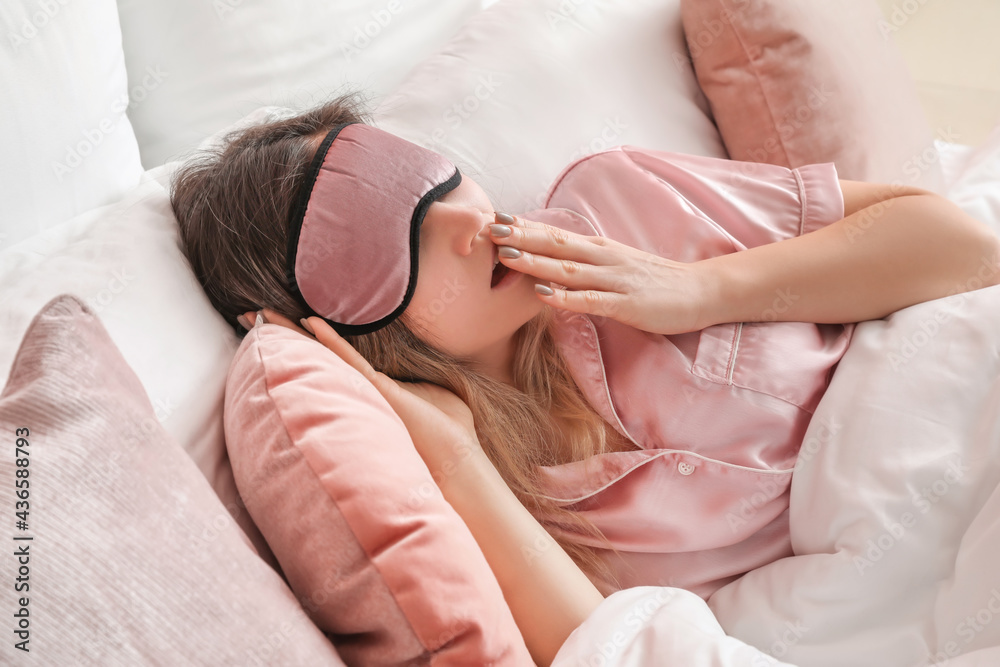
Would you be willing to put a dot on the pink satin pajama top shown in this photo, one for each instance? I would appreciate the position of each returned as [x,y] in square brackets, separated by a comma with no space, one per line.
[719,414]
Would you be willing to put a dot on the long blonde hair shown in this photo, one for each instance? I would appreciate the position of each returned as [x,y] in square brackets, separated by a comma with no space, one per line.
[232,203]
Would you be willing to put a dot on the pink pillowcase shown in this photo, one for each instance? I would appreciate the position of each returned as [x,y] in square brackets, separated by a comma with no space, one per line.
[795,83]
[328,471]
[134,559]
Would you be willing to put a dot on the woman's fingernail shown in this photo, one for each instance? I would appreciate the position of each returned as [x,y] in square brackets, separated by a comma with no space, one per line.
[503,217]
[244,322]
[544,289]
[508,252]
[500,230]
[306,325]
[260,318]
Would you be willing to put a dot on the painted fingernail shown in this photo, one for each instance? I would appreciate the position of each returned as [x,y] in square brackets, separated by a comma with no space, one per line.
[260,318]
[503,217]
[306,325]
[244,322]
[544,289]
[508,252]
[500,230]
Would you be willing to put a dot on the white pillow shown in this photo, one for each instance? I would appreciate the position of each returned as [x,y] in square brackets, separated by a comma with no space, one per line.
[124,261]
[67,143]
[214,61]
[976,186]
[529,85]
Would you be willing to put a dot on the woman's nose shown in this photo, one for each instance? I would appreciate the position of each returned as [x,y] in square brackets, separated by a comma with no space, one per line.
[470,226]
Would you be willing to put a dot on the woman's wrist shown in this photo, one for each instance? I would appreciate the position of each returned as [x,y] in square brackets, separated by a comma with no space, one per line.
[716,294]
[749,285]
[458,463]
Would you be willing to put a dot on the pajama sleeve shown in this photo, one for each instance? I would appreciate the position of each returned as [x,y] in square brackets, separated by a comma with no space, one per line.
[640,193]
[755,202]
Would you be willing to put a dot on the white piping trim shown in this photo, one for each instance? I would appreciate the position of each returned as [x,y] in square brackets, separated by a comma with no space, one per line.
[802,199]
[660,454]
[732,357]
[604,383]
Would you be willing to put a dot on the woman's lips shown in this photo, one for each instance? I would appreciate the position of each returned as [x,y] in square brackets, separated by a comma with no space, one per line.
[501,275]
[499,272]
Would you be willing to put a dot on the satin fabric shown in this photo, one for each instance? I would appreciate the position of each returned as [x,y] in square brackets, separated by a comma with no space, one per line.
[353,241]
[718,414]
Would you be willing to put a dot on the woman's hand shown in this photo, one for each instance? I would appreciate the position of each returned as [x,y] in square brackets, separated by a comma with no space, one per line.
[606,278]
[439,422]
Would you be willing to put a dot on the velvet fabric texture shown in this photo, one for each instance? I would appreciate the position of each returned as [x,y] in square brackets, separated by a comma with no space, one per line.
[795,83]
[133,559]
[376,555]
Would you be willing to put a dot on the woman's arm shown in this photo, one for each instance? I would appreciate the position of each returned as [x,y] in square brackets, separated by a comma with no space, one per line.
[896,246]
[892,250]
[548,595]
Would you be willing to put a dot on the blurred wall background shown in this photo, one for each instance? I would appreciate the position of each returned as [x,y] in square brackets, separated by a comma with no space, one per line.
[952,48]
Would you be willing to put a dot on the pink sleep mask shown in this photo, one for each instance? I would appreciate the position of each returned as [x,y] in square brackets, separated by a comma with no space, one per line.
[354,233]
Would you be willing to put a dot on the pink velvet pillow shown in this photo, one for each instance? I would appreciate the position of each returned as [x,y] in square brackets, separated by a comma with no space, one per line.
[328,471]
[133,558]
[794,83]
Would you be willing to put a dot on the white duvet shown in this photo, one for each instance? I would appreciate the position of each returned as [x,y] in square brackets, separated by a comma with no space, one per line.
[895,510]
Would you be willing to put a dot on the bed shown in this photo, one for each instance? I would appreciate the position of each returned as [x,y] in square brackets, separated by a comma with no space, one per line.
[138,547]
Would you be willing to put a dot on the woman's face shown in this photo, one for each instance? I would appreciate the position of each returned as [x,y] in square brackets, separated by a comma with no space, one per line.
[454,308]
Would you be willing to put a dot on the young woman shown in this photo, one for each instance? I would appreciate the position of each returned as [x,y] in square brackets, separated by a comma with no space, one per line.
[632,368]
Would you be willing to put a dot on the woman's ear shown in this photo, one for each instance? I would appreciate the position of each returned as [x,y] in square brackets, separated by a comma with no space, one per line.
[248,319]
